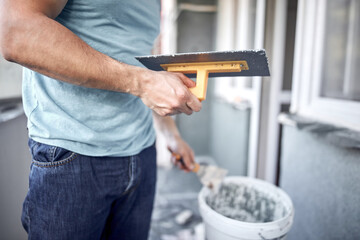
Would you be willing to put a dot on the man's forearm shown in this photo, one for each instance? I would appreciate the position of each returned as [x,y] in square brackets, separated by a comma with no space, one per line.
[175,143]
[167,126]
[29,36]
[42,44]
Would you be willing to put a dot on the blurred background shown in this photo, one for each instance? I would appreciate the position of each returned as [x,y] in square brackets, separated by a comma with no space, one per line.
[298,129]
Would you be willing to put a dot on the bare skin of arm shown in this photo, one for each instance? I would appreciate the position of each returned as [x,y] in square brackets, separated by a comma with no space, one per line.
[29,36]
[175,143]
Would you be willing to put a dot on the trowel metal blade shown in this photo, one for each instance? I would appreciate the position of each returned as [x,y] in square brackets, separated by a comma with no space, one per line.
[256,60]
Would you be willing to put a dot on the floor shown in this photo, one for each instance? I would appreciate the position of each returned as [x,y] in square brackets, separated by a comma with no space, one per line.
[177,192]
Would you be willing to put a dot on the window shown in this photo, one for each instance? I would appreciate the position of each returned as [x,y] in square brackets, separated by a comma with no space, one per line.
[341,54]
[327,60]
[236,30]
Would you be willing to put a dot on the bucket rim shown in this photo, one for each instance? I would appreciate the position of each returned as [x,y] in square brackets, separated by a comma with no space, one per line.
[288,217]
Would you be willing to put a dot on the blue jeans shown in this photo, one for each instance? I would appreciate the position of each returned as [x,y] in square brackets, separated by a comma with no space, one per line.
[76,197]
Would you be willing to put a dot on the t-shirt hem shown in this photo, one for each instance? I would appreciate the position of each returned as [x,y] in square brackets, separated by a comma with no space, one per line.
[67,145]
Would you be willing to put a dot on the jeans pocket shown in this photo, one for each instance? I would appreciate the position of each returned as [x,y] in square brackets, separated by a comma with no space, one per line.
[44,155]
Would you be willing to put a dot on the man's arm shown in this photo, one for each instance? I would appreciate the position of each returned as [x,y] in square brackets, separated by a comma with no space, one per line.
[174,141]
[29,36]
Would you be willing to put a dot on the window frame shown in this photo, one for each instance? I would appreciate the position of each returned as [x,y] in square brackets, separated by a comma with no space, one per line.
[234,34]
[306,99]
[234,15]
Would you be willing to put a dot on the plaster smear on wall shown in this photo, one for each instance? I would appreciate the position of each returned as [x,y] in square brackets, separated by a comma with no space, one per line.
[245,203]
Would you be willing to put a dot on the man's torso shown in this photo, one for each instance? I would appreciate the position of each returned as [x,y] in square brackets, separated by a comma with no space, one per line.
[92,121]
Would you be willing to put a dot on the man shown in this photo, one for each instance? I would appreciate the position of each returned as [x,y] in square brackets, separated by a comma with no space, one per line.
[88,106]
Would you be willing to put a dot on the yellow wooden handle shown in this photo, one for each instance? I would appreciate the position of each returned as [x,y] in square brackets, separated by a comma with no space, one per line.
[202,70]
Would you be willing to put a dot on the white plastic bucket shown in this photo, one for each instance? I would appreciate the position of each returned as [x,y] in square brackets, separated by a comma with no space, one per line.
[219,227]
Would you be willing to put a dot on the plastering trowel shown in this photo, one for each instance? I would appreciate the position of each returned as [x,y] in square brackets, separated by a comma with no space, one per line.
[203,65]
[209,175]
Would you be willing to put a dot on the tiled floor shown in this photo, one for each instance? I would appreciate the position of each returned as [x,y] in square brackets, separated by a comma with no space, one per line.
[177,191]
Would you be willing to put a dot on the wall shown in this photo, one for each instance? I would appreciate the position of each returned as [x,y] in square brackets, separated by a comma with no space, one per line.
[14,172]
[14,154]
[195,34]
[323,181]
[218,130]
[10,79]
[229,140]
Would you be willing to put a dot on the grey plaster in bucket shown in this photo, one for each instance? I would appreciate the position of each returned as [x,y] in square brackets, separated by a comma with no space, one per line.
[245,203]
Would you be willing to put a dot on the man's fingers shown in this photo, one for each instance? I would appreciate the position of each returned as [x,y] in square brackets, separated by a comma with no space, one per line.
[170,94]
[188,97]
[184,159]
[177,159]
[188,161]
[182,101]
[186,109]
[194,104]
[180,164]
[187,81]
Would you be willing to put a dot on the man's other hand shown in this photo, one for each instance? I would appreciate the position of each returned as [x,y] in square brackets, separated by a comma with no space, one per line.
[182,155]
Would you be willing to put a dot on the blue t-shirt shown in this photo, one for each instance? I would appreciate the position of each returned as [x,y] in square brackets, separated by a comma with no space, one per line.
[91,121]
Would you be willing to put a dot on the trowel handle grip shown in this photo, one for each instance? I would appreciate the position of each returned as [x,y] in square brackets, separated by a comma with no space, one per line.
[202,70]
[201,81]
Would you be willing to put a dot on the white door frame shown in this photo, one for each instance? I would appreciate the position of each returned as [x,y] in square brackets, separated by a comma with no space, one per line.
[270,109]
[257,86]
[236,14]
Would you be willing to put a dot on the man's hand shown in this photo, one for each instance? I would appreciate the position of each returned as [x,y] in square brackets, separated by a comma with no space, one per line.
[167,93]
[30,37]
[176,145]
[182,154]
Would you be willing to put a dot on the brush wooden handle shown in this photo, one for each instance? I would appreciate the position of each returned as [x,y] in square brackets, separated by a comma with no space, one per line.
[196,167]
[180,159]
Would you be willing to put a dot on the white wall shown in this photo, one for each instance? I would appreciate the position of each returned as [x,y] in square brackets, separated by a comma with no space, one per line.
[15,160]
[10,79]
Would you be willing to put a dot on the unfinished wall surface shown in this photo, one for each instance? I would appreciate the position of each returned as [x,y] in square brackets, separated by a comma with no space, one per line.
[15,162]
[219,130]
[14,154]
[230,137]
[196,32]
[323,181]
[10,79]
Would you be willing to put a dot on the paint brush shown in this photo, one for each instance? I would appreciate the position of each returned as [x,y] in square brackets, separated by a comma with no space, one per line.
[209,175]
